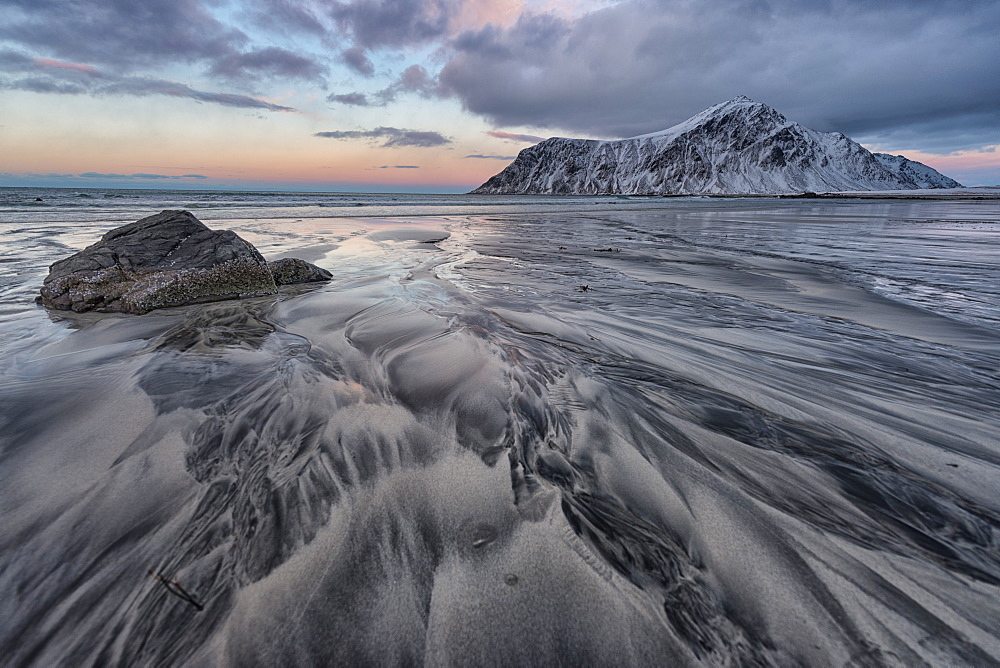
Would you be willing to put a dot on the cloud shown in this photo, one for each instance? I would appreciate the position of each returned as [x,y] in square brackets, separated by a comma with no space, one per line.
[36,175]
[16,59]
[379,23]
[392,136]
[148,35]
[271,61]
[75,67]
[374,24]
[143,87]
[642,65]
[124,35]
[51,76]
[287,17]
[356,59]
[492,157]
[354,99]
[530,139]
[42,85]
[415,79]
[399,167]
[134,35]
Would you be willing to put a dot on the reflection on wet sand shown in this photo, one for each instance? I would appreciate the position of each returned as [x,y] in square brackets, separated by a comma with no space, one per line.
[717,454]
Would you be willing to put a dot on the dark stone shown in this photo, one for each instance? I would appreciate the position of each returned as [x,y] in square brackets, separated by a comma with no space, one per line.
[169,259]
[290,270]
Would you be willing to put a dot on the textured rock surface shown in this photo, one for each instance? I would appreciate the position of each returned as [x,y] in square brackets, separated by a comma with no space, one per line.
[291,270]
[737,147]
[168,259]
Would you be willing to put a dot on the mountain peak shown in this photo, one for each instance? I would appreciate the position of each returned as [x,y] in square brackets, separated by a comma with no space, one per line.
[740,102]
[737,110]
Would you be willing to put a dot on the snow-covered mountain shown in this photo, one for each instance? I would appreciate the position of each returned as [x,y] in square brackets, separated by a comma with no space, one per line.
[737,147]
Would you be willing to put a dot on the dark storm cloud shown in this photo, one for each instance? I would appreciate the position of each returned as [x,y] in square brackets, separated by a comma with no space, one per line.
[356,59]
[50,76]
[643,65]
[392,136]
[271,61]
[491,157]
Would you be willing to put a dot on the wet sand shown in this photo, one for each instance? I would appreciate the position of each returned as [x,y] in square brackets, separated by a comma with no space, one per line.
[730,433]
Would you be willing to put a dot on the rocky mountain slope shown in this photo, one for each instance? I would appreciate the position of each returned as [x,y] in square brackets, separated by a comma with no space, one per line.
[737,147]
[915,172]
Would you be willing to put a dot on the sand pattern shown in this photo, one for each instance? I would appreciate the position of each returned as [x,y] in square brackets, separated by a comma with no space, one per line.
[723,433]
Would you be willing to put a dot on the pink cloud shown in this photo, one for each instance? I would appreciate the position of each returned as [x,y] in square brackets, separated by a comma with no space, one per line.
[77,67]
[528,139]
[478,13]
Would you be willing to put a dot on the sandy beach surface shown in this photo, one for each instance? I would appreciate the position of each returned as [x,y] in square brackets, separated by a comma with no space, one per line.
[602,432]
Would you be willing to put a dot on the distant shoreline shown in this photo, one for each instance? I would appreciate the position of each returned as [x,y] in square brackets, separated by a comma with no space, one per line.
[885,194]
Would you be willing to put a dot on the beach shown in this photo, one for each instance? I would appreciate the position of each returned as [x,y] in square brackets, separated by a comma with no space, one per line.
[604,430]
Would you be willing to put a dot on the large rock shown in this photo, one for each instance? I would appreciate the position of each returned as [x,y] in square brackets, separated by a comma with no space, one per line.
[169,259]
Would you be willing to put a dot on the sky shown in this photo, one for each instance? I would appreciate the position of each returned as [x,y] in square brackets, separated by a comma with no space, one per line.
[439,95]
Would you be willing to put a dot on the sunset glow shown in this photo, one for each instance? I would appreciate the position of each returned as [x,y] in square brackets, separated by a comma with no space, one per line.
[980,165]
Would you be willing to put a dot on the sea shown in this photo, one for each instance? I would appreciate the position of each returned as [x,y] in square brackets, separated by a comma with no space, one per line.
[511,430]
